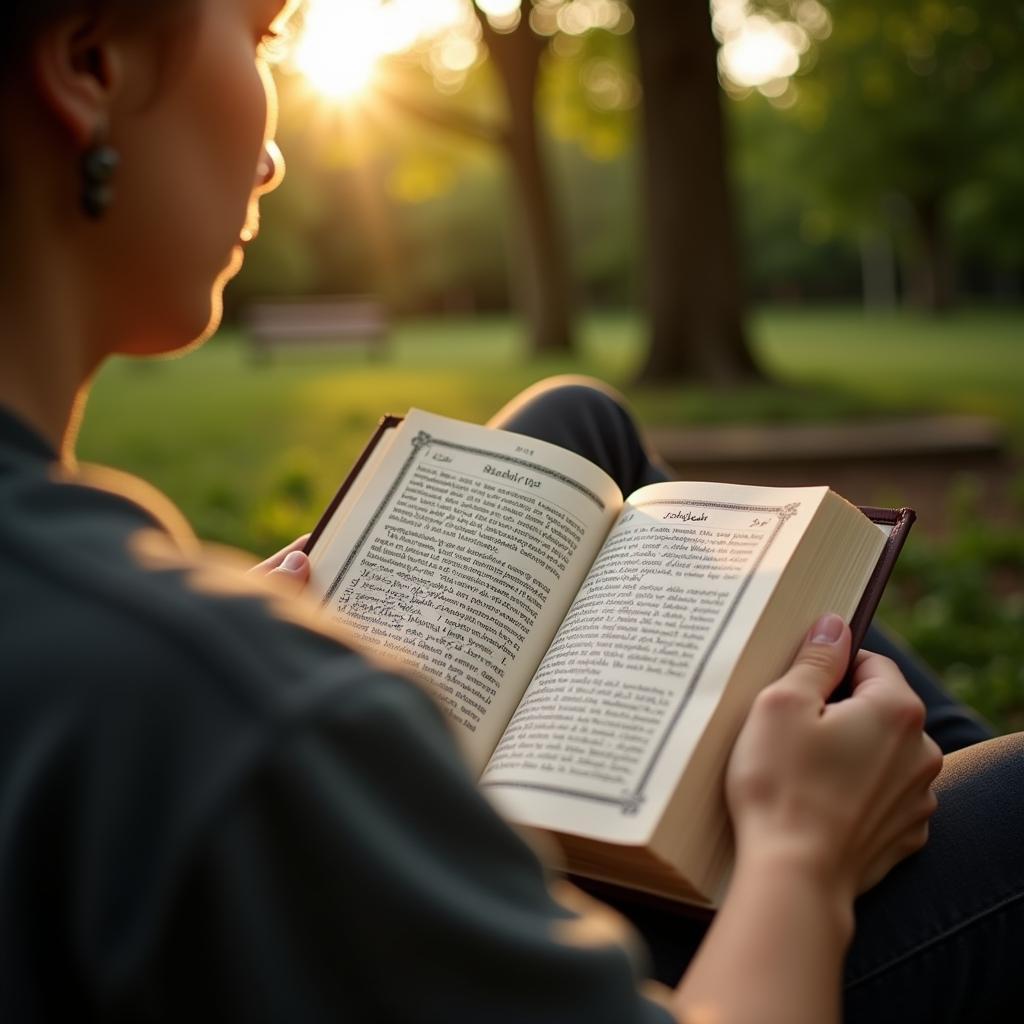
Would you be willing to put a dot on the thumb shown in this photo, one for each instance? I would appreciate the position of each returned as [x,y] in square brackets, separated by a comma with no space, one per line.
[822,660]
[292,574]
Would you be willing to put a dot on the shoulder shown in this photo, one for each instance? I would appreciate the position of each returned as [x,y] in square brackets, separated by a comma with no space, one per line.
[109,603]
[129,644]
[107,600]
[144,682]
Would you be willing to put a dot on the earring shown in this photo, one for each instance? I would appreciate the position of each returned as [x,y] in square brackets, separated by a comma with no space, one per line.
[99,164]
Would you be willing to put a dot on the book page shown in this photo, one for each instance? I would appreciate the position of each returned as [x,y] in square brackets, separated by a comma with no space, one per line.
[618,703]
[458,559]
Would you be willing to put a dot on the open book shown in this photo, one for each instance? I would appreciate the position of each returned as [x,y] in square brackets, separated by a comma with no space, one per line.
[596,652]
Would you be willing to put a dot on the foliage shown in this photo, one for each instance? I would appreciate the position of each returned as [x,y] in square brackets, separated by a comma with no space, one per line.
[793,248]
[915,96]
[959,602]
[590,93]
[910,116]
[379,198]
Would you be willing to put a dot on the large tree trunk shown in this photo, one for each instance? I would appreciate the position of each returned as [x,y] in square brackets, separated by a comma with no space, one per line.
[545,279]
[696,302]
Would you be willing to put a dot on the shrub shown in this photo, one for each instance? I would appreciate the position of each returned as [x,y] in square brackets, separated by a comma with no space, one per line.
[959,601]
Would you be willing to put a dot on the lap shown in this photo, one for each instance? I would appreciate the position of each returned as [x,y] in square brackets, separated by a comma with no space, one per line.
[937,939]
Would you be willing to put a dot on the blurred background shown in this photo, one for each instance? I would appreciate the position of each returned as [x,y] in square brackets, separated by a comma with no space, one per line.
[791,231]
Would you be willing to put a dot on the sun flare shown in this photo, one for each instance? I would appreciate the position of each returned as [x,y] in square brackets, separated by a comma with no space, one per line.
[762,52]
[335,51]
[342,44]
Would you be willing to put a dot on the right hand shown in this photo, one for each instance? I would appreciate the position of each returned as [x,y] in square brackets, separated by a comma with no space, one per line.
[842,790]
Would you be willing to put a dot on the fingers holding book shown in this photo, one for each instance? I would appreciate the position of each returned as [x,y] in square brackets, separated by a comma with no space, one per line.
[842,788]
[288,570]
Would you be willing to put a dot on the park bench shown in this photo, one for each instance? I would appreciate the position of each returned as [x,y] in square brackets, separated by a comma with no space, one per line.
[324,322]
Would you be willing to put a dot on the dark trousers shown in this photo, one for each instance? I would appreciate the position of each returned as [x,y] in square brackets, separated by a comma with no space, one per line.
[937,939]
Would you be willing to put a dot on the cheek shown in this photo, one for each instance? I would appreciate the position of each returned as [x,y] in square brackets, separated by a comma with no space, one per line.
[229,140]
[189,197]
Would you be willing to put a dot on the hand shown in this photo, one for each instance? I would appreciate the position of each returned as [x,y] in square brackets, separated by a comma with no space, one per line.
[842,789]
[288,570]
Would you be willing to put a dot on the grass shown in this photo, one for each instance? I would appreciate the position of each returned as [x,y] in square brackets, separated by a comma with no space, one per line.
[252,453]
[970,362]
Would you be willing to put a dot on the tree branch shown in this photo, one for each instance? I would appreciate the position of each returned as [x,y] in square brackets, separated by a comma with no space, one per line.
[458,121]
[517,51]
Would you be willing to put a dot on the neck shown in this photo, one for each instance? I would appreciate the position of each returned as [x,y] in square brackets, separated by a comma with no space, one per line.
[45,355]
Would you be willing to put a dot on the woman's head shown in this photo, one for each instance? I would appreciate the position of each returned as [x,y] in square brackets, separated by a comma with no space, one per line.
[24,20]
[179,89]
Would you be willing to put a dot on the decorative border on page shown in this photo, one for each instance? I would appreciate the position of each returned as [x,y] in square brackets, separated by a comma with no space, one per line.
[420,443]
[632,800]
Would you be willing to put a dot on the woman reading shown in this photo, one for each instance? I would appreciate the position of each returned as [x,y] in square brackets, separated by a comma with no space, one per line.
[211,808]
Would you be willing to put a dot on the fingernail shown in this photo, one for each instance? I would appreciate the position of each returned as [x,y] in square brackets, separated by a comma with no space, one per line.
[294,562]
[827,630]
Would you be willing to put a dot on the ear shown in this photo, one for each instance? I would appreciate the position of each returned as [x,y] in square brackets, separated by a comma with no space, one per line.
[77,69]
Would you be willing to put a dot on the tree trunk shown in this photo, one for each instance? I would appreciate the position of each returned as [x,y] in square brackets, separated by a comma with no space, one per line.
[931,280]
[878,271]
[546,280]
[696,302]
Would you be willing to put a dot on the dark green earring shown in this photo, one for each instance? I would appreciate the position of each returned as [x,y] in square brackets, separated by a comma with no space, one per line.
[99,165]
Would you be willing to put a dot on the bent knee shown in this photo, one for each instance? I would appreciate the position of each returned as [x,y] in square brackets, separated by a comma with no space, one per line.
[569,390]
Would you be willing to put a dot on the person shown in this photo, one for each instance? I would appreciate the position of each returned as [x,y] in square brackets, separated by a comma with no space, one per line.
[211,808]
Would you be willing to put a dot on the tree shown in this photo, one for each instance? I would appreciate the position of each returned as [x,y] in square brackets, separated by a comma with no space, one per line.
[547,283]
[908,111]
[693,269]
[571,58]
[517,53]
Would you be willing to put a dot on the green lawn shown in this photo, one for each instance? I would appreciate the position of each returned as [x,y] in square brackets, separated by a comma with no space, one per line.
[970,362]
[252,453]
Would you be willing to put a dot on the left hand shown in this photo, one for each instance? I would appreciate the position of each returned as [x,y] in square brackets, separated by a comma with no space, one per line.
[288,570]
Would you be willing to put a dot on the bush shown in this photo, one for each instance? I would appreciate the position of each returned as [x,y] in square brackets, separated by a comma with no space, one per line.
[959,601]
